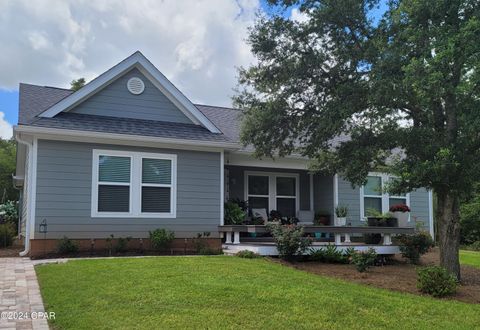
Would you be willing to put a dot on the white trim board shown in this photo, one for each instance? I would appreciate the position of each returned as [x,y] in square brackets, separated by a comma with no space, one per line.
[139,61]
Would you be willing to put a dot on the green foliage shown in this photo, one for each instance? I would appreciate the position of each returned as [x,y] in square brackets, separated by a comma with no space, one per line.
[121,244]
[408,82]
[234,215]
[200,244]
[470,219]
[364,259]
[8,154]
[475,246]
[76,84]
[376,214]
[9,212]
[247,254]
[289,240]
[331,254]
[436,281]
[415,245]
[161,239]
[7,234]
[67,246]
[341,211]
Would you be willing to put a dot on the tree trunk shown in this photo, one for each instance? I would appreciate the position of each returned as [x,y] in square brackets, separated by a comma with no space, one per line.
[448,217]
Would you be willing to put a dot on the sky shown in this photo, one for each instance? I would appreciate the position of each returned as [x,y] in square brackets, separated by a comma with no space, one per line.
[197,44]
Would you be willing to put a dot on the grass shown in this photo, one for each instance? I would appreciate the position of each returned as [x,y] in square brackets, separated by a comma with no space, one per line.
[471,258]
[226,292]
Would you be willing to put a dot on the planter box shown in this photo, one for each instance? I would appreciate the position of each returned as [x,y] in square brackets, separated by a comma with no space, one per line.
[402,218]
[382,222]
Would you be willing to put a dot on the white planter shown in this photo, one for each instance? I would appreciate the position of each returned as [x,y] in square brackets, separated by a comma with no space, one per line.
[340,221]
[402,218]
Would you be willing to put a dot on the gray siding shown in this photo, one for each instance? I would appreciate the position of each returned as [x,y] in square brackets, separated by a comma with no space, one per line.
[116,101]
[349,196]
[236,182]
[419,204]
[64,180]
[323,194]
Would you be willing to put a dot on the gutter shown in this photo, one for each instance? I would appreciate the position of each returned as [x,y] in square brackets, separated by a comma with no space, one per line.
[30,167]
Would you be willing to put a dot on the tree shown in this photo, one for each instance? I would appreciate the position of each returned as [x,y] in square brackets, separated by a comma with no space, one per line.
[401,94]
[76,84]
[7,168]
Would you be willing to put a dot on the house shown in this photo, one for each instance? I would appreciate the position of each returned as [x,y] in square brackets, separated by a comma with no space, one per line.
[129,153]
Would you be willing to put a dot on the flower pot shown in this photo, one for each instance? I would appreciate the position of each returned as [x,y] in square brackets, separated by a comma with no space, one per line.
[340,221]
[323,220]
[373,221]
[402,218]
[318,235]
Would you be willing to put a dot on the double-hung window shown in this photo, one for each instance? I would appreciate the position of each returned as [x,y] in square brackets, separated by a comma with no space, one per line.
[133,184]
[374,197]
[273,191]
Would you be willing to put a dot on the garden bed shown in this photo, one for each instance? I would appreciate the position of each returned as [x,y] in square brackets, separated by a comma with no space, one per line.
[398,276]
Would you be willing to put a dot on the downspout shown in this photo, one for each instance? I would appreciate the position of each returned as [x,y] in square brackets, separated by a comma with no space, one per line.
[30,168]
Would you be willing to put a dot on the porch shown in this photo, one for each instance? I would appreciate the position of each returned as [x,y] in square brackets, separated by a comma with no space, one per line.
[343,237]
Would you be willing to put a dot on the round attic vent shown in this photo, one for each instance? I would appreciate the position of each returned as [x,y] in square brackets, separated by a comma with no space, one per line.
[135,85]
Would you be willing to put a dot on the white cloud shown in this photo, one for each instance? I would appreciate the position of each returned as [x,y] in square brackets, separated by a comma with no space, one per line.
[298,16]
[6,130]
[196,43]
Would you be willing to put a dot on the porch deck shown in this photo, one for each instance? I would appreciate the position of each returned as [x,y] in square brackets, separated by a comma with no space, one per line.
[342,238]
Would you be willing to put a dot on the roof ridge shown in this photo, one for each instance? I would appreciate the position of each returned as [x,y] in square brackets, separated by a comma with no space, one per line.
[217,106]
[43,86]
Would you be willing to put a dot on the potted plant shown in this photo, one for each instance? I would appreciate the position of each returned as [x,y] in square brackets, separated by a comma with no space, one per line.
[322,218]
[341,212]
[401,212]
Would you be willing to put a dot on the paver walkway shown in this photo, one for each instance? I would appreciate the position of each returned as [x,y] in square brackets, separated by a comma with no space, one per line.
[20,300]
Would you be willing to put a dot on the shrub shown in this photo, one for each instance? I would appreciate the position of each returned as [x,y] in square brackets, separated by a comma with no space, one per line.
[7,233]
[9,213]
[121,245]
[330,254]
[475,246]
[161,239]
[234,215]
[436,281]
[364,259]
[201,245]
[289,240]
[415,245]
[67,246]
[469,215]
[247,254]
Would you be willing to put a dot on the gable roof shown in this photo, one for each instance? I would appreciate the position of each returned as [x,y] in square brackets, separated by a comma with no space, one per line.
[139,61]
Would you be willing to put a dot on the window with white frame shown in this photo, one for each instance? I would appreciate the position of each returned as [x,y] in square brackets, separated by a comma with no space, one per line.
[273,191]
[133,184]
[374,197]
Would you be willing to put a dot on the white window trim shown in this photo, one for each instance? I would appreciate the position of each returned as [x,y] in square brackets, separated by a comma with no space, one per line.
[384,196]
[135,185]
[272,188]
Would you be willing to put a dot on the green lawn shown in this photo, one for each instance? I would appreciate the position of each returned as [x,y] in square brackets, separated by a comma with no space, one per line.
[228,292]
[471,258]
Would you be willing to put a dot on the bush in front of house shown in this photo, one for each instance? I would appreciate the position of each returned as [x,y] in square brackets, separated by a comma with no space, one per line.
[289,240]
[234,214]
[331,254]
[7,234]
[161,239]
[247,254]
[121,245]
[9,213]
[364,259]
[436,281]
[67,246]
[414,245]
[475,246]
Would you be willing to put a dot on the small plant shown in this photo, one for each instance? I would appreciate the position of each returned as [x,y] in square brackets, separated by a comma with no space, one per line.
[331,254]
[364,259]
[341,211]
[234,215]
[289,240]
[436,281]
[7,233]
[247,254]
[399,208]
[322,218]
[415,245]
[9,213]
[109,243]
[161,239]
[121,245]
[201,246]
[67,246]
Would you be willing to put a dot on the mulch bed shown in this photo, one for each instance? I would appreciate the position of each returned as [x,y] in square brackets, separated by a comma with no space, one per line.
[10,252]
[398,276]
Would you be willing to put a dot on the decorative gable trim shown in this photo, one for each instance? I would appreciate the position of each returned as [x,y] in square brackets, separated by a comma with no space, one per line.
[139,61]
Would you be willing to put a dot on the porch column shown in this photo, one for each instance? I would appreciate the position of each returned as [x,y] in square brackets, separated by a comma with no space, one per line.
[228,237]
[338,239]
[387,239]
[236,237]
[347,238]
